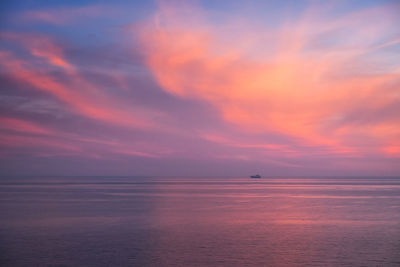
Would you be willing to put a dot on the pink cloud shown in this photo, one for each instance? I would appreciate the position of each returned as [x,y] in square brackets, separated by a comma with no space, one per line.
[7,140]
[284,87]
[22,126]
[84,97]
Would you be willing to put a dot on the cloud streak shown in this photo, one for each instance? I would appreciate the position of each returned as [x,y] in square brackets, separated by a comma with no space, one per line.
[84,97]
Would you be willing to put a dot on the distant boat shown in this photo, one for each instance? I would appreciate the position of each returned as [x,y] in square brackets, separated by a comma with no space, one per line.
[255,176]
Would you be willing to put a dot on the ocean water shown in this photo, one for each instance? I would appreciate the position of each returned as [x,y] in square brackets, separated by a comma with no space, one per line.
[158,221]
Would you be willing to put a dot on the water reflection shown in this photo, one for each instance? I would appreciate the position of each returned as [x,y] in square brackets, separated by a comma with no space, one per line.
[221,221]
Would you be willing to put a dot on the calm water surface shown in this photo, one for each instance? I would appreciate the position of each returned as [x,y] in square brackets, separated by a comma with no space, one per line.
[150,221]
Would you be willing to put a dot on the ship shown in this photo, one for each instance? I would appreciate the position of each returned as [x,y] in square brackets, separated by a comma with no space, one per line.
[255,176]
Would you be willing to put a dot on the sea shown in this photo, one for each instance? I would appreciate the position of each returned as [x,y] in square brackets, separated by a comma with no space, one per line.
[199,221]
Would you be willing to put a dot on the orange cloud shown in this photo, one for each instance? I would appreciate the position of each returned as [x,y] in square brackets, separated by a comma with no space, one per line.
[285,81]
[392,150]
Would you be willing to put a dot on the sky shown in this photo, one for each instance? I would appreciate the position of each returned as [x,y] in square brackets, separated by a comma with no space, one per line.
[200,88]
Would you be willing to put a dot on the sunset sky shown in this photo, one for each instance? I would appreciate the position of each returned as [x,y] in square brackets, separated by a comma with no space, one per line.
[200,88]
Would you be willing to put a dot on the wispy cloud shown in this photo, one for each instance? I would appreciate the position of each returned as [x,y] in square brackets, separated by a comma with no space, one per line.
[86,98]
[202,88]
[67,15]
[303,79]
